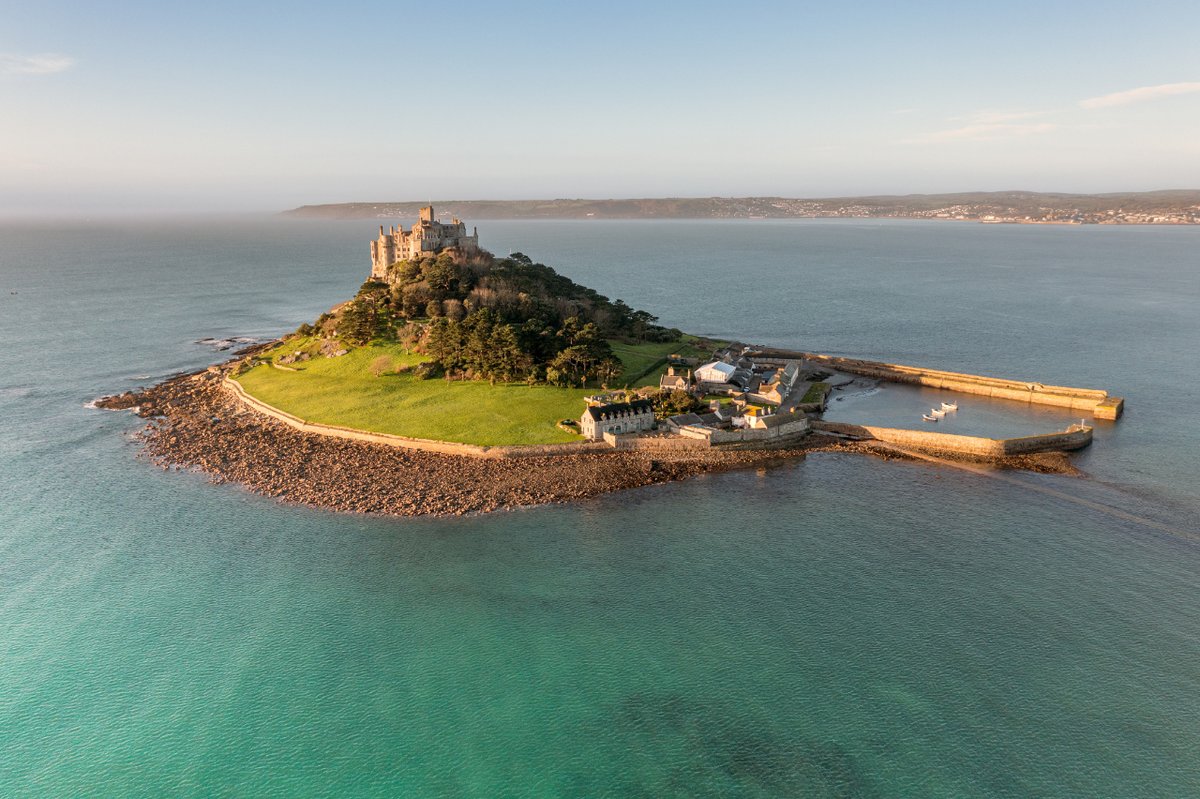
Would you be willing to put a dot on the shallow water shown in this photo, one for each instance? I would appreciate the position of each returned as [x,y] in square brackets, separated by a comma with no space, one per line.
[838,626]
[903,406]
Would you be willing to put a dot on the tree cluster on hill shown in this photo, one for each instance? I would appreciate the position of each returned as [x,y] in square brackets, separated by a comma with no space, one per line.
[499,319]
[516,289]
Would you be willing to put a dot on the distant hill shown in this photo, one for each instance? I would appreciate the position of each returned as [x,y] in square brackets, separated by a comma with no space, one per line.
[1180,206]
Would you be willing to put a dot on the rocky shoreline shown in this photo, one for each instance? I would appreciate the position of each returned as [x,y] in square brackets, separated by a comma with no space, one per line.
[196,424]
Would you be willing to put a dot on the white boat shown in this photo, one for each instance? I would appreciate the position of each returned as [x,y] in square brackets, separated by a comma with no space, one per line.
[928,418]
[935,413]
[949,406]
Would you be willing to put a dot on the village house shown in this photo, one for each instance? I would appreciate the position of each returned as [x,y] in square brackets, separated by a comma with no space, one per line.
[751,414]
[616,418]
[674,381]
[779,385]
[779,422]
[427,237]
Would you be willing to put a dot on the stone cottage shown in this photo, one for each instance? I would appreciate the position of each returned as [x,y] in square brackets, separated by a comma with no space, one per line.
[674,381]
[616,418]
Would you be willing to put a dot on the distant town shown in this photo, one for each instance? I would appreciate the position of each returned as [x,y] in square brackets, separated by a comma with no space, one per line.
[1176,207]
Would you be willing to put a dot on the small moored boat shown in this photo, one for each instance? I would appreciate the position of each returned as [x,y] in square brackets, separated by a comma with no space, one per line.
[935,413]
[929,418]
[949,406]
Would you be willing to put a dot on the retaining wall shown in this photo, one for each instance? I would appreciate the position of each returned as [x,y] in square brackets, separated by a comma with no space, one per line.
[641,443]
[1074,437]
[776,436]
[423,444]
[1096,401]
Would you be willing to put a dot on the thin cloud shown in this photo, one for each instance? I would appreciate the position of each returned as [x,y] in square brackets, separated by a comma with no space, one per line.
[987,131]
[996,117]
[42,64]
[1139,95]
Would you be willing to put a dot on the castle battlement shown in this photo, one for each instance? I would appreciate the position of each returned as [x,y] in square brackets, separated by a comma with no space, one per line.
[427,237]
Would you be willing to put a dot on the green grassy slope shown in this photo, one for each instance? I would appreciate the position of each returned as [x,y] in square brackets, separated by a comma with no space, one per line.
[342,391]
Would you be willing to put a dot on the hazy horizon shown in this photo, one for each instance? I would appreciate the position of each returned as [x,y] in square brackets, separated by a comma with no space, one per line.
[267,107]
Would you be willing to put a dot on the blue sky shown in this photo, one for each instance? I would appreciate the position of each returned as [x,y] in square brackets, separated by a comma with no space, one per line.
[259,105]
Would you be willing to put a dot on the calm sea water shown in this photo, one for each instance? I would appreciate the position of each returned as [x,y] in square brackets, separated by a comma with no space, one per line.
[834,627]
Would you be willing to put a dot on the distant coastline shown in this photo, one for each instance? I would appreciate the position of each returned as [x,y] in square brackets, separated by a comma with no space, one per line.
[1171,207]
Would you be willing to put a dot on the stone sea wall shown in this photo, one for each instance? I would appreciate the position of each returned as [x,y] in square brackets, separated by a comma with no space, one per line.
[796,428]
[1074,437]
[653,443]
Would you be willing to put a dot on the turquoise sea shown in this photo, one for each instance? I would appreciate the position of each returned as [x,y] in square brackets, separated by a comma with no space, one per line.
[838,626]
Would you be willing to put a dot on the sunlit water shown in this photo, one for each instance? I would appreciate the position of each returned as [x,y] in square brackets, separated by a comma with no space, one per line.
[838,626]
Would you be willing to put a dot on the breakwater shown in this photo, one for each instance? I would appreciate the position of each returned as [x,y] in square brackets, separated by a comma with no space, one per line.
[1098,402]
[1074,437]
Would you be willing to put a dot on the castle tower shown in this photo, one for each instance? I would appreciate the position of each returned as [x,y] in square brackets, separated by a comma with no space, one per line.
[383,253]
[426,214]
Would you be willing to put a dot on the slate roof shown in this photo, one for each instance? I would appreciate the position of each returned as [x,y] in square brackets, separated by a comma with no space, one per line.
[778,419]
[684,419]
[600,412]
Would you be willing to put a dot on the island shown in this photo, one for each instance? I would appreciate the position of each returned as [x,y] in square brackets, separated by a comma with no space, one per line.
[458,382]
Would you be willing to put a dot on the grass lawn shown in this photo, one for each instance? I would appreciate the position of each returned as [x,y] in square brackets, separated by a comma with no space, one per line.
[642,361]
[816,392]
[342,391]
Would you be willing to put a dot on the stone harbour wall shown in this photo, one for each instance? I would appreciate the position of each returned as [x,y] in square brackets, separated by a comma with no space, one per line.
[1074,437]
[1096,401]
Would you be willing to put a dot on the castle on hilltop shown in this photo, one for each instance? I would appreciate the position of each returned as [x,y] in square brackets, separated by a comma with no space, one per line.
[427,237]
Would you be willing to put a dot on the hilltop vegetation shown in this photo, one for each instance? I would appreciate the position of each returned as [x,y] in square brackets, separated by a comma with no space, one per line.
[479,317]
[539,340]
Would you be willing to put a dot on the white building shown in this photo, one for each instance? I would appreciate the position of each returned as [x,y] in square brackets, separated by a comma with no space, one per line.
[715,372]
